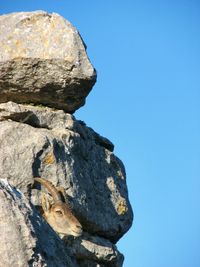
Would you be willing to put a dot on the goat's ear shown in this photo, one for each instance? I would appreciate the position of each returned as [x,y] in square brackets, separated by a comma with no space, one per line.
[45,203]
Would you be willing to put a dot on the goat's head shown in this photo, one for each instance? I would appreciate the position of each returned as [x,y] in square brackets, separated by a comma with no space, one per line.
[59,214]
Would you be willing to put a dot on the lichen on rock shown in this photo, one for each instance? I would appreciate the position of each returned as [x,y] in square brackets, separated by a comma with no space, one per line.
[45,75]
[68,154]
[43,61]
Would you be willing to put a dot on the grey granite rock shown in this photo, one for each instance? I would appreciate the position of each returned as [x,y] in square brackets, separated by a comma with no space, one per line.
[26,239]
[43,60]
[36,141]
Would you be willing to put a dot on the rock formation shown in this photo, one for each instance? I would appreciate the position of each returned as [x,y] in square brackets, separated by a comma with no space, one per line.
[36,140]
[43,61]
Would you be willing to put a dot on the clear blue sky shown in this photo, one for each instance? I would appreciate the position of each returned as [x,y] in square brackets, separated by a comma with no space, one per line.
[146,100]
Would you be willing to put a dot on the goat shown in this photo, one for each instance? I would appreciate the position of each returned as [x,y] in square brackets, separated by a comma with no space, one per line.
[58,214]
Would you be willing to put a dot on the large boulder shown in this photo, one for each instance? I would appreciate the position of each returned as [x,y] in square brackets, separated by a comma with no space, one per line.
[37,141]
[43,60]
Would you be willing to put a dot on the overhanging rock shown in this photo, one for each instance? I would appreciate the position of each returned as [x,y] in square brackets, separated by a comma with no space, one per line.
[43,60]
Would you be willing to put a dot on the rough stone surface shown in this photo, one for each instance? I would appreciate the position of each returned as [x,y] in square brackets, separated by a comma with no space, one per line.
[94,251]
[37,141]
[26,239]
[43,61]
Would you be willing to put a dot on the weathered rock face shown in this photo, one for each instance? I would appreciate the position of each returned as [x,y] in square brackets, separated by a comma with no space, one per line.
[43,61]
[26,239]
[41,142]
[92,250]
[38,141]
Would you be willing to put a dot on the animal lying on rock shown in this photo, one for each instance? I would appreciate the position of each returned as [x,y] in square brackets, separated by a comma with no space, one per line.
[58,214]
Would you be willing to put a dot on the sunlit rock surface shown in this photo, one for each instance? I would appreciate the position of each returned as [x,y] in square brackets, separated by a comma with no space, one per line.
[43,60]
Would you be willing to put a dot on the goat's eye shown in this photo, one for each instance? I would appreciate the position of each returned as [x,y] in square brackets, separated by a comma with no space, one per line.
[59,212]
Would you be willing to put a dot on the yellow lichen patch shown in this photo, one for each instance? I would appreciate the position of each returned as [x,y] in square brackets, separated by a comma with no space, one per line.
[17,42]
[53,24]
[49,159]
[122,207]
[46,43]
